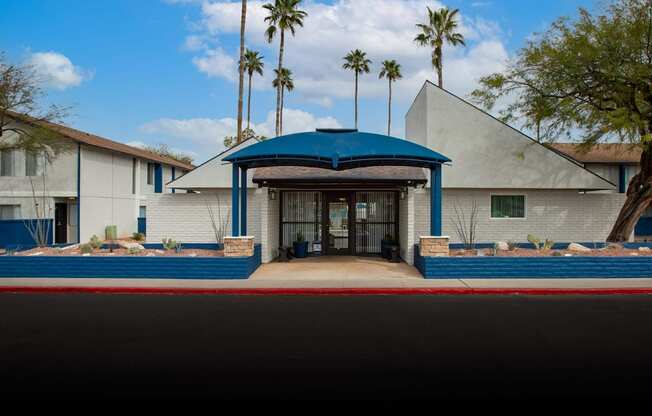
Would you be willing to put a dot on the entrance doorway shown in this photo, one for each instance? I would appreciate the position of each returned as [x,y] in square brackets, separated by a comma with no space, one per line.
[338,223]
[344,221]
[60,223]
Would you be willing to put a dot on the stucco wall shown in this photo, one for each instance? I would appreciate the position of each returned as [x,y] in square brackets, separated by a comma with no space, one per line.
[562,216]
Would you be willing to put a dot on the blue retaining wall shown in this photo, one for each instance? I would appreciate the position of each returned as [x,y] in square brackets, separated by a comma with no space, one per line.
[131,266]
[14,234]
[556,246]
[532,267]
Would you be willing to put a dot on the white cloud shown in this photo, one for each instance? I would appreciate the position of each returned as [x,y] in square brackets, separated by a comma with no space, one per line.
[216,63]
[208,133]
[385,29]
[56,70]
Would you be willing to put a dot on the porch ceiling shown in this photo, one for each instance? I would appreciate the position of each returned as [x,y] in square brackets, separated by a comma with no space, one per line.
[373,174]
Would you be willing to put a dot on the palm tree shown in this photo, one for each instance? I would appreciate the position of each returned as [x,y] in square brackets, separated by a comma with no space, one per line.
[243,19]
[439,28]
[282,15]
[392,71]
[356,61]
[253,62]
[282,82]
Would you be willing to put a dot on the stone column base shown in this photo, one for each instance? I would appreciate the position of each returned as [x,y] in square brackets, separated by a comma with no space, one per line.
[434,246]
[239,246]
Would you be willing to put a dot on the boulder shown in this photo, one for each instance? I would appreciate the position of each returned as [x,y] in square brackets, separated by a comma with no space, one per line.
[128,245]
[502,245]
[645,249]
[578,248]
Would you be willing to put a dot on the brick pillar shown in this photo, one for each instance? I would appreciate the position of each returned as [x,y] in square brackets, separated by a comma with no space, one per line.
[434,246]
[239,246]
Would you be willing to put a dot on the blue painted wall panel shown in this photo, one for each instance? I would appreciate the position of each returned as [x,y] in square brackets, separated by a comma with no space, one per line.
[131,267]
[158,178]
[14,234]
[643,226]
[142,225]
[532,267]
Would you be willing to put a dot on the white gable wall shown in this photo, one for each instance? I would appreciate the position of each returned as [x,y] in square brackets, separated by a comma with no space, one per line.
[486,153]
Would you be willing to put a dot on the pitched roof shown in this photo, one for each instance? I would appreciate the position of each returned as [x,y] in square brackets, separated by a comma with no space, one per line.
[101,142]
[366,174]
[601,153]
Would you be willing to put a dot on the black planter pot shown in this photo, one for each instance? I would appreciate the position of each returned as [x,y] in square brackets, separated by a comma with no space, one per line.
[386,248]
[300,249]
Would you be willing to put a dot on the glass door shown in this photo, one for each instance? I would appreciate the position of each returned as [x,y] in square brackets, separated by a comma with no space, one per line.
[337,224]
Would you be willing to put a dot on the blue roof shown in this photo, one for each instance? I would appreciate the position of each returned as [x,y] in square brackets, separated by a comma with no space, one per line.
[337,149]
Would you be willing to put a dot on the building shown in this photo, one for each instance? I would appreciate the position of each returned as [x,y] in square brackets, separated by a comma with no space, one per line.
[98,182]
[515,185]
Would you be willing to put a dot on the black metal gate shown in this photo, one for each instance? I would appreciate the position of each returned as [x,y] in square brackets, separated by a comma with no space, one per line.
[374,217]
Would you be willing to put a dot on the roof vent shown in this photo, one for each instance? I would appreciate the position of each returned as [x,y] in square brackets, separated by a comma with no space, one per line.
[337,130]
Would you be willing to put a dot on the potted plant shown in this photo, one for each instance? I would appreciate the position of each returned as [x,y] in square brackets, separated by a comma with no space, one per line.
[386,246]
[300,246]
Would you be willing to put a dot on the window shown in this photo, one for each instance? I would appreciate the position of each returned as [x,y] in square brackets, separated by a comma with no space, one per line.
[142,211]
[150,173]
[72,215]
[7,163]
[507,206]
[9,212]
[33,164]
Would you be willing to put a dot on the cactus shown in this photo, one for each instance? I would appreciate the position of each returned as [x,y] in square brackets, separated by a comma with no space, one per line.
[547,245]
[534,241]
[169,244]
[95,243]
[177,248]
[111,232]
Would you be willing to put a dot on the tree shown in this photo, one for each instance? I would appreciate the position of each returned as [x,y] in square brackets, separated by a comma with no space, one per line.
[20,96]
[282,15]
[591,75]
[439,29]
[253,62]
[246,135]
[357,62]
[392,71]
[243,20]
[164,150]
[284,82]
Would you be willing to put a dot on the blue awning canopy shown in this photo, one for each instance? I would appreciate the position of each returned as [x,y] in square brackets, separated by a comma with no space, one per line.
[337,149]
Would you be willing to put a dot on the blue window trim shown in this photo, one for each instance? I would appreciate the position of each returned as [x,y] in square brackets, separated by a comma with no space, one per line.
[158,178]
[173,176]
[78,192]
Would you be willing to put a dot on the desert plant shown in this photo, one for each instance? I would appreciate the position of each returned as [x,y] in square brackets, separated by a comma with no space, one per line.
[138,236]
[512,245]
[169,244]
[466,228]
[299,238]
[86,248]
[555,254]
[547,245]
[178,247]
[219,222]
[39,227]
[134,251]
[95,243]
[111,232]
[535,241]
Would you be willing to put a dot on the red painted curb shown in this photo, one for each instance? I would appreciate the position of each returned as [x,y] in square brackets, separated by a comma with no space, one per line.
[327,291]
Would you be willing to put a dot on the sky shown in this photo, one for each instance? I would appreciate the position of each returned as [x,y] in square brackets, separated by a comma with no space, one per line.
[164,71]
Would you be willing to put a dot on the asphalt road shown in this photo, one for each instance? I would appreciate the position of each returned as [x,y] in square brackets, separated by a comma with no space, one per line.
[121,346]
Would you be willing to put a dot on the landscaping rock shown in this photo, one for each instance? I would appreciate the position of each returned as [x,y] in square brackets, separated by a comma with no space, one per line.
[614,246]
[502,245]
[578,247]
[128,245]
[568,255]
[645,249]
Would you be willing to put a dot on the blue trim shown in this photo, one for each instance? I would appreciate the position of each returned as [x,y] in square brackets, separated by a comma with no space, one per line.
[555,246]
[78,192]
[235,198]
[243,201]
[158,178]
[14,233]
[622,179]
[118,267]
[200,246]
[532,267]
[435,200]
[142,225]
[173,177]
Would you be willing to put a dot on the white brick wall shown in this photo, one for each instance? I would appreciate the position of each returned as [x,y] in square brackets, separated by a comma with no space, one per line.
[184,217]
[559,215]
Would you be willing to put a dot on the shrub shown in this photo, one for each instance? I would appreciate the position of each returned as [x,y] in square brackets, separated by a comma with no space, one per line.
[86,248]
[95,243]
[512,245]
[169,244]
[134,250]
[138,236]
